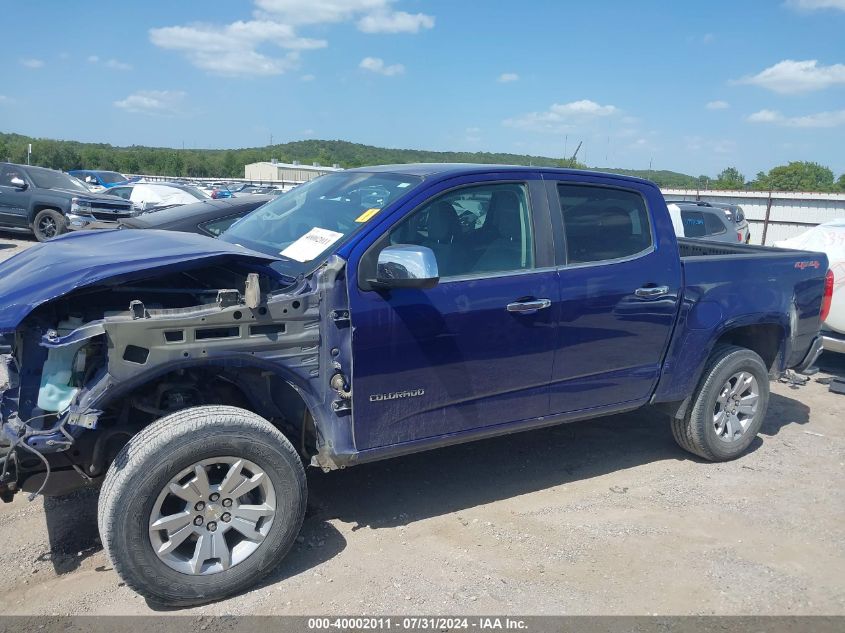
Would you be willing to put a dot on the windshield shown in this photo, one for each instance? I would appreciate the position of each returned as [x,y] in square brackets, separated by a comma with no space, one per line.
[304,224]
[110,177]
[51,179]
[196,193]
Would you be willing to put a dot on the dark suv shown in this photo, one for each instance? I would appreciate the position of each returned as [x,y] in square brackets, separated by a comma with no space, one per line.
[49,202]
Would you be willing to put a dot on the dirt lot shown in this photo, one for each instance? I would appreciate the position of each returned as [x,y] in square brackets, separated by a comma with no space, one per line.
[598,517]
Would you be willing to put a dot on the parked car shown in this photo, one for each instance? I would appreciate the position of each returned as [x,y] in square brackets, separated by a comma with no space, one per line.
[147,196]
[195,377]
[49,202]
[706,223]
[99,178]
[209,217]
[828,238]
[734,213]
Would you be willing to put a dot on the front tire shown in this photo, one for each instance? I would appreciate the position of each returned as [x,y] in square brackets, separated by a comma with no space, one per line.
[201,504]
[48,223]
[728,407]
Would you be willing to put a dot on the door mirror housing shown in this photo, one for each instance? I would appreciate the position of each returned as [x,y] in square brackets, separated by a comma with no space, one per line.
[406,266]
[19,183]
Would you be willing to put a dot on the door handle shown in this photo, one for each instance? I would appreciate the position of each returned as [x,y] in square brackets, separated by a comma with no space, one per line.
[525,307]
[652,292]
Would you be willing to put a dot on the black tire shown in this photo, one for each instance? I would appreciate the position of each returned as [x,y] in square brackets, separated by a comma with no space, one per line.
[151,459]
[697,432]
[48,223]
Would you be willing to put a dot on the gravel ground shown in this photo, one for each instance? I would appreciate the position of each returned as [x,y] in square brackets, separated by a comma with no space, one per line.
[600,517]
[13,242]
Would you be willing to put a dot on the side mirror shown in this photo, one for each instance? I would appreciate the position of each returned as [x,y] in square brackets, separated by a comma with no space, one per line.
[406,266]
[18,183]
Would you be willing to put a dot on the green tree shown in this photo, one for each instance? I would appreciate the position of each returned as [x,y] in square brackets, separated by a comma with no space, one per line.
[729,178]
[840,184]
[799,176]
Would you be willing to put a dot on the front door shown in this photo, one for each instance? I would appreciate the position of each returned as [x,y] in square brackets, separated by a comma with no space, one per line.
[14,203]
[477,349]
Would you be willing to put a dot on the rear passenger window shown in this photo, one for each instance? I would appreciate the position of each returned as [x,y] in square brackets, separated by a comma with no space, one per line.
[603,223]
[713,223]
[474,230]
[693,224]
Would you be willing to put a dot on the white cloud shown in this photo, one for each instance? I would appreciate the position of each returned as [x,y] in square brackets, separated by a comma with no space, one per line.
[562,117]
[153,102]
[118,65]
[237,49]
[765,116]
[320,11]
[112,63]
[829,119]
[31,62]
[717,105]
[790,76]
[374,16]
[709,145]
[377,65]
[231,49]
[396,22]
[507,78]
[815,5]
[307,78]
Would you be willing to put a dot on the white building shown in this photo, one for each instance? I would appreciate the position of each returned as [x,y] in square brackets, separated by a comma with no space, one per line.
[267,171]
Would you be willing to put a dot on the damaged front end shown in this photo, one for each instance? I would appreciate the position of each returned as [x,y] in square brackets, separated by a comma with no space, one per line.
[83,372]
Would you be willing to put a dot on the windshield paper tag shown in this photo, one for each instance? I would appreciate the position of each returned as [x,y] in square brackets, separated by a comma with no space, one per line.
[311,244]
[366,215]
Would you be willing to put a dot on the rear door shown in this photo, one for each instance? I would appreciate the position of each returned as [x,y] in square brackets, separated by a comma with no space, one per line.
[620,282]
[477,349]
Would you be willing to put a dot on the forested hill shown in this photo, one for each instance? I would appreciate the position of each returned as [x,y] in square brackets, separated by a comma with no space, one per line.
[137,159]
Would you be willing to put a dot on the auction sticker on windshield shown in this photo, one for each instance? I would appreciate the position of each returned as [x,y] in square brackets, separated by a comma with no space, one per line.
[311,244]
[366,215]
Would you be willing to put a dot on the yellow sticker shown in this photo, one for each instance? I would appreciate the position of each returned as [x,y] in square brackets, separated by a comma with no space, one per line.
[366,215]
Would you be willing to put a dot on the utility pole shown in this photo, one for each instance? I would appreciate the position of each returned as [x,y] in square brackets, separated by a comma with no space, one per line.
[28,152]
[271,140]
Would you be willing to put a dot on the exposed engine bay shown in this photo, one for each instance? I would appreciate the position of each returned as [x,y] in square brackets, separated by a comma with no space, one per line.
[84,372]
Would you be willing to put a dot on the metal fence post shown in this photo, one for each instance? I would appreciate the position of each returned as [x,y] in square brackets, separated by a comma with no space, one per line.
[766,220]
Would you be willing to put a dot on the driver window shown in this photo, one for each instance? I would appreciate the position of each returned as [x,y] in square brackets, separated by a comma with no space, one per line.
[6,176]
[478,229]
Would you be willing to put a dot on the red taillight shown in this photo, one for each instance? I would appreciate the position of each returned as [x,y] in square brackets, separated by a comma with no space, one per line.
[827,299]
[739,236]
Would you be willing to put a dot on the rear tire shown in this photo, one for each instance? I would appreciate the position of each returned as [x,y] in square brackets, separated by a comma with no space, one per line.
[728,407]
[201,505]
[48,223]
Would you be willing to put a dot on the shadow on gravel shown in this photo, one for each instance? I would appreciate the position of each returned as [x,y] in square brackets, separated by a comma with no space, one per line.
[833,364]
[782,412]
[71,529]
[400,491]
[4,246]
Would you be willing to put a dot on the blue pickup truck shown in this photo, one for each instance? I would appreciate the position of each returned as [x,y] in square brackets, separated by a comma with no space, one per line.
[367,314]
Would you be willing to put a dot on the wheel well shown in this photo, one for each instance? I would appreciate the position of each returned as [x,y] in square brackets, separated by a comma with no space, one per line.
[261,392]
[38,208]
[764,339]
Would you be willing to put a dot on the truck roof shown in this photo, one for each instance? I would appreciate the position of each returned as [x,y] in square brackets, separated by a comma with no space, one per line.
[424,170]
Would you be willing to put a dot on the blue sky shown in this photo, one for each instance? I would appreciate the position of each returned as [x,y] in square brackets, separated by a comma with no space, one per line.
[690,86]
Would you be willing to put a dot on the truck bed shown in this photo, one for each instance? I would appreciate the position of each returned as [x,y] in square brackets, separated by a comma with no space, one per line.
[689,248]
[736,286]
